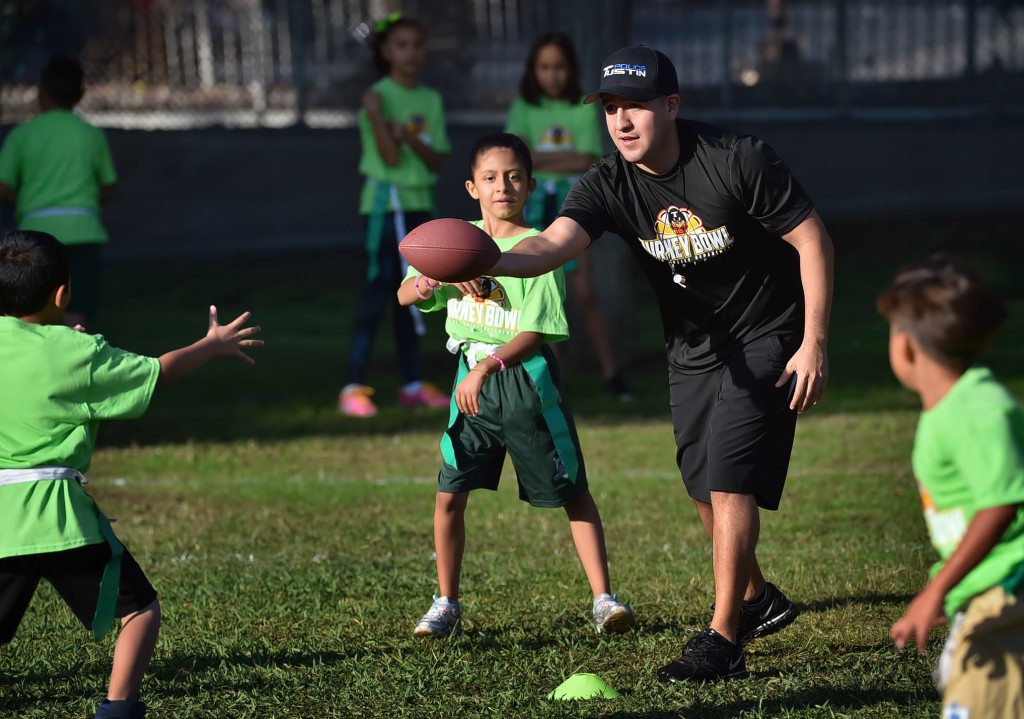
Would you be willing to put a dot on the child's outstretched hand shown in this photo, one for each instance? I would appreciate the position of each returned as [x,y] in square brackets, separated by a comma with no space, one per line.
[229,339]
[924,613]
[467,394]
[220,341]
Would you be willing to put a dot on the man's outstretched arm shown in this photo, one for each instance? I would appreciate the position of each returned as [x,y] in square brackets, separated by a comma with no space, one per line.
[562,241]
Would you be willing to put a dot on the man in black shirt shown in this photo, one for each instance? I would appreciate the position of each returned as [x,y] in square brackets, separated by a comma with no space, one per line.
[741,265]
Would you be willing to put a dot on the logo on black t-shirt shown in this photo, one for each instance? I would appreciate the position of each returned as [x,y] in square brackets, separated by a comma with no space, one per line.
[680,237]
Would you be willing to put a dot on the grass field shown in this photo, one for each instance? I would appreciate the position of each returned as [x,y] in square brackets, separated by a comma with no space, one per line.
[292,548]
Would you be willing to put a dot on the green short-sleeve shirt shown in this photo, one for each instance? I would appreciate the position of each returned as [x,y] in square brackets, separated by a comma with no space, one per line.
[57,384]
[421,110]
[58,162]
[968,456]
[516,304]
[555,126]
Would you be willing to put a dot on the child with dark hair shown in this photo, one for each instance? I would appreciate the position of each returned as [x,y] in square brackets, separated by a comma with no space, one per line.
[565,139]
[508,394]
[56,170]
[57,384]
[404,139]
[968,460]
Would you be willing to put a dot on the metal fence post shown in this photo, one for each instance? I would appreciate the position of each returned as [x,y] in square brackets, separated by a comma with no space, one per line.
[726,10]
[299,46]
[840,77]
[970,31]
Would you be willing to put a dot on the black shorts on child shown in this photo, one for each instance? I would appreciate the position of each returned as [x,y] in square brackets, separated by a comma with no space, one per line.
[734,429]
[524,413]
[75,574]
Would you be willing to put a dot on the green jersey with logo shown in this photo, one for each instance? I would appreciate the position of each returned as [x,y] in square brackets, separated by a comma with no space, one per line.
[968,456]
[515,304]
[421,111]
[57,384]
[58,162]
[555,126]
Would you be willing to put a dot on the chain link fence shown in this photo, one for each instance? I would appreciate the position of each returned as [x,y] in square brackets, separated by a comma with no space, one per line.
[171,64]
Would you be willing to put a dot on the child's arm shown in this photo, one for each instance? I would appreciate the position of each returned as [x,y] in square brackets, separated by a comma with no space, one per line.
[408,294]
[220,341]
[431,157]
[467,394]
[926,610]
[387,145]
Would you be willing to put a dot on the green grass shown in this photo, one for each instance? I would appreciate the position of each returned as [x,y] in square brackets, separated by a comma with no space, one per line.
[292,547]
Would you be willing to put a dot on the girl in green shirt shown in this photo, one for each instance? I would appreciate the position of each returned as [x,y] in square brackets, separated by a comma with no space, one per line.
[564,137]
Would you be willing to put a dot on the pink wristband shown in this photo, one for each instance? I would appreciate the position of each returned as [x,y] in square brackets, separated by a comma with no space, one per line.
[497,359]
[416,286]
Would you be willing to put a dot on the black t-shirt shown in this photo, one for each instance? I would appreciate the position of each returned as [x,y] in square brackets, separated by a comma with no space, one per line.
[714,222]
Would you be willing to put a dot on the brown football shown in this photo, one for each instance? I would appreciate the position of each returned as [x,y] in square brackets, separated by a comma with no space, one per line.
[449,250]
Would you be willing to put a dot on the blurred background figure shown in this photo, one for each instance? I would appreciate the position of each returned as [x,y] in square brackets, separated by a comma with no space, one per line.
[565,140]
[403,138]
[56,170]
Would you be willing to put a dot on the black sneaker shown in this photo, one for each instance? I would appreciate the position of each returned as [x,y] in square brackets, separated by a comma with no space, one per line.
[616,387]
[766,616]
[707,657]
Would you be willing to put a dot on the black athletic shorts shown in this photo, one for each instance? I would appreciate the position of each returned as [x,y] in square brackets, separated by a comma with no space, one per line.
[75,574]
[734,429]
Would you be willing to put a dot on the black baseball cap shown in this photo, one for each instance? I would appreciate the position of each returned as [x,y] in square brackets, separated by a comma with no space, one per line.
[636,72]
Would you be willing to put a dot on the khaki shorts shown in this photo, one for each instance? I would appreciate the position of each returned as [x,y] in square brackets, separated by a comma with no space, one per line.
[983,660]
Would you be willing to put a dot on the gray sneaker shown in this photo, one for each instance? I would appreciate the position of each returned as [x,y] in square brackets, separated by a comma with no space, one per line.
[444,618]
[611,615]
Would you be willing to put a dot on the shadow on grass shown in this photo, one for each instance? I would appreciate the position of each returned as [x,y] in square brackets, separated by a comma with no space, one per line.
[825,605]
[838,699]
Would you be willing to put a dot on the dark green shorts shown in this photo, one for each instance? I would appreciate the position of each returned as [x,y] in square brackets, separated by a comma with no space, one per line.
[524,413]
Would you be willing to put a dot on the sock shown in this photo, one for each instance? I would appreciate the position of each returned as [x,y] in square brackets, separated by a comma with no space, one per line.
[759,598]
[118,709]
[413,387]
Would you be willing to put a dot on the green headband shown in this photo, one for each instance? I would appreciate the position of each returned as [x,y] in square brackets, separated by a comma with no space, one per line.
[387,22]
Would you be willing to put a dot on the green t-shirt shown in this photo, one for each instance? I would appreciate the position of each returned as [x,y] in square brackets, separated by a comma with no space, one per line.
[555,126]
[422,112]
[57,384]
[968,456]
[58,162]
[516,304]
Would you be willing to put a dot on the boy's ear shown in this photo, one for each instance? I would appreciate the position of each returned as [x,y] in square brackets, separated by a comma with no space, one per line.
[907,348]
[62,296]
[471,189]
[532,185]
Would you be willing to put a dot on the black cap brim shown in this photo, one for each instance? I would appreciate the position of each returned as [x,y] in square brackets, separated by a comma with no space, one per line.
[626,91]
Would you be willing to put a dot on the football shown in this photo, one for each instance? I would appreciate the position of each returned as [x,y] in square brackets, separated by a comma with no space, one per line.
[449,250]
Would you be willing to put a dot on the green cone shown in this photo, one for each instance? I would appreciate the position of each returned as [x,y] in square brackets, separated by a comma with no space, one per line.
[583,686]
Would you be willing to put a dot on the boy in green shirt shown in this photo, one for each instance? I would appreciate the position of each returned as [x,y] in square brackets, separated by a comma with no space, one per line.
[56,170]
[508,397]
[57,383]
[968,459]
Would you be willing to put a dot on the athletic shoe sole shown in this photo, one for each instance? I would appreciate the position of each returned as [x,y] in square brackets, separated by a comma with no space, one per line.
[619,621]
[428,632]
[667,678]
